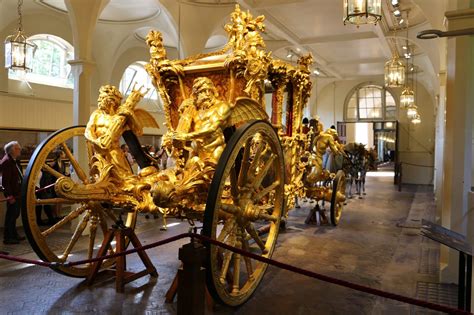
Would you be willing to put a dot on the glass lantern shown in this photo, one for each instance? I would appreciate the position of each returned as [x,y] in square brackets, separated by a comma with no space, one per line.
[362,11]
[416,119]
[407,98]
[19,52]
[412,111]
[394,72]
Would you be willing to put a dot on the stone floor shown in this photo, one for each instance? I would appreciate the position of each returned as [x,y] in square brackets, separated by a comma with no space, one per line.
[377,244]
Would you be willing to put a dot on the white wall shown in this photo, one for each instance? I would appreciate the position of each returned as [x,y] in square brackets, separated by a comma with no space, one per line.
[416,142]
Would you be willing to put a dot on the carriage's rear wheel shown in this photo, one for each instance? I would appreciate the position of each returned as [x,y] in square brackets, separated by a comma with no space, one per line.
[246,196]
[337,197]
[80,232]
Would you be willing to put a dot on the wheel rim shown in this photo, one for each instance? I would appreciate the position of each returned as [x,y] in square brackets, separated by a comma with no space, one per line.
[234,212]
[337,197]
[91,217]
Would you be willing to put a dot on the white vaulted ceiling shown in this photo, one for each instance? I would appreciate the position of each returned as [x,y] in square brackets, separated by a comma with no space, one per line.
[340,51]
[117,10]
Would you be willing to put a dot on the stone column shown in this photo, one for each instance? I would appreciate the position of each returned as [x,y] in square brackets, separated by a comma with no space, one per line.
[458,137]
[83,15]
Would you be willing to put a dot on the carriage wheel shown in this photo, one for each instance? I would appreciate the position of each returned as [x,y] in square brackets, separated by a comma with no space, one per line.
[246,197]
[337,197]
[76,234]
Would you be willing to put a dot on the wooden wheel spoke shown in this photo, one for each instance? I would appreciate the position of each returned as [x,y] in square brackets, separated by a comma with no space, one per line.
[75,237]
[68,218]
[75,164]
[229,208]
[256,158]
[93,230]
[253,233]
[52,171]
[263,172]
[258,196]
[244,167]
[248,261]
[267,217]
[228,226]
[236,275]
[226,261]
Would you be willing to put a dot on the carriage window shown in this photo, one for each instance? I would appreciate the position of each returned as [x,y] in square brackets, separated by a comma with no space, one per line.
[370,103]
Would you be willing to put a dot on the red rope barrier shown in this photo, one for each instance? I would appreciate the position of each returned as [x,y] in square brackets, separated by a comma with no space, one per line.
[272,262]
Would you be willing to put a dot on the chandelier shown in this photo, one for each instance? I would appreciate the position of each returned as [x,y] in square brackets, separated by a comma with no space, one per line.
[394,72]
[416,119]
[412,111]
[407,98]
[362,11]
[18,50]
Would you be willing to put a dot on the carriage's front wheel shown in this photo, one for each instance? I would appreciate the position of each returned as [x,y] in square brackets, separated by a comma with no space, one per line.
[246,198]
[82,225]
[337,197]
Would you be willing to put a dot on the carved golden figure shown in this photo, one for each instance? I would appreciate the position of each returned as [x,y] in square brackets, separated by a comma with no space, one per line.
[324,141]
[203,120]
[107,124]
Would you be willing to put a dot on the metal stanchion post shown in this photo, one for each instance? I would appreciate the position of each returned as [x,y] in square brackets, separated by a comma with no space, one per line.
[191,279]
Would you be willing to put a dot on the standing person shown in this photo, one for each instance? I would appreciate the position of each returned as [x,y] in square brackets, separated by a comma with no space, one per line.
[11,181]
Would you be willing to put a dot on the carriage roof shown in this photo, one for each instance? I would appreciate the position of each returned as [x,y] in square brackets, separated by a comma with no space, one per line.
[240,69]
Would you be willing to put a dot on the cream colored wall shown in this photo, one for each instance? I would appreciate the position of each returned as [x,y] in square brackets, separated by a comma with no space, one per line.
[416,143]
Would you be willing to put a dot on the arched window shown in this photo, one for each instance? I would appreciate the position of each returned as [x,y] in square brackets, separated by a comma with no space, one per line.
[136,73]
[369,103]
[50,63]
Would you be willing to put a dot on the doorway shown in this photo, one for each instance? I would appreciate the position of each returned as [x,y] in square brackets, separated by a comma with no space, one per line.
[381,136]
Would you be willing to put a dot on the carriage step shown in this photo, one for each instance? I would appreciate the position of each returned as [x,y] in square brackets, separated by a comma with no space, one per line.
[122,276]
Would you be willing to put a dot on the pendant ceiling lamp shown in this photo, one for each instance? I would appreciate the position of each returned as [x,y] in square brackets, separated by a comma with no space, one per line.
[18,50]
[362,11]
[394,72]
[407,98]
[412,111]
[416,119]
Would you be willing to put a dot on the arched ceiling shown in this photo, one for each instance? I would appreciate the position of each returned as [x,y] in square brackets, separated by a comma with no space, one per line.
[300,26]
[119,11]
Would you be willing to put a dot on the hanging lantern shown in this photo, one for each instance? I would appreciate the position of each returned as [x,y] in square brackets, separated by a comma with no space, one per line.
[407,98]
[394,72]
[18,50]
[416,119]
[362,11]
[412,111]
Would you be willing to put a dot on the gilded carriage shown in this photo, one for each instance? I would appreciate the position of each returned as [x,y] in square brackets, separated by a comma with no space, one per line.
[238,168]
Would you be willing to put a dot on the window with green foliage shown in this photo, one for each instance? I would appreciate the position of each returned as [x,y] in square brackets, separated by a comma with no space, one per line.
[370,102]
[50,63]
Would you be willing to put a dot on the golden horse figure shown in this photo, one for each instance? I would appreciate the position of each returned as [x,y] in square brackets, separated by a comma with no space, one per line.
[230,171]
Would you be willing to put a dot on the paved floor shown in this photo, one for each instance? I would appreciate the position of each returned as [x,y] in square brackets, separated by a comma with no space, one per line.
[376,244]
